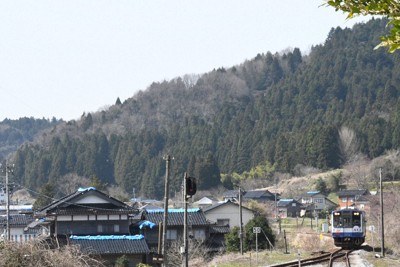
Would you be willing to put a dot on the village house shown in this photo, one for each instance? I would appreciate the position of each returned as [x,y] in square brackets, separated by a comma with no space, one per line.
[288,208]
[261,196]
[356,198]
[231,195]
[19,230]
[227,213]
[316,202]
[205,202]
[98,223]
[198,227]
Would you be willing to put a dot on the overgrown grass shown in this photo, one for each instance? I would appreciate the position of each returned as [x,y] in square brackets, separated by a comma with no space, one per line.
[250,259]
[381,262]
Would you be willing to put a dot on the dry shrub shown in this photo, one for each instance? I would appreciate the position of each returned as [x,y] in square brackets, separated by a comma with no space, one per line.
[38,253]
[312,242]
[228,258]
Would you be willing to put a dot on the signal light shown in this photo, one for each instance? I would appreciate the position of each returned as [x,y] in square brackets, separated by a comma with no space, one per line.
[191,186]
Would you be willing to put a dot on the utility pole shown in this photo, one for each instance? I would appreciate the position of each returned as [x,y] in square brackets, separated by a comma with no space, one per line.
[382,224]
[241,221]
[8,169]
[165,223]
[185,224]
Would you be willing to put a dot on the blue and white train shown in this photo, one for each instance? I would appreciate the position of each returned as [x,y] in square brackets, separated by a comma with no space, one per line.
[348,227]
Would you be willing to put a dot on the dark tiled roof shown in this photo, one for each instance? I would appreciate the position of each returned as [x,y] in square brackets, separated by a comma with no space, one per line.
[254,194]
[286,202]
[71,201]
[112,246]
[175,218]
[17,219]
[352,193]
[93,210]
[231,194]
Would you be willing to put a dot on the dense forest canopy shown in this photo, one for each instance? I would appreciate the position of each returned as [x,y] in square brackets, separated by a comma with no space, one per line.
[280,110]
[15,132]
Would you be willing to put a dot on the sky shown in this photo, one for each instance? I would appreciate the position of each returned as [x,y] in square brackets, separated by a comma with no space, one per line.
[61,58]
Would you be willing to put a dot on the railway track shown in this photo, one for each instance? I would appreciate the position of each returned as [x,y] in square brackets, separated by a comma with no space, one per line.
[340,255]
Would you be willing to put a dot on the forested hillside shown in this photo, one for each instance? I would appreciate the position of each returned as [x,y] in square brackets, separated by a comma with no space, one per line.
[15,132]
[281,110]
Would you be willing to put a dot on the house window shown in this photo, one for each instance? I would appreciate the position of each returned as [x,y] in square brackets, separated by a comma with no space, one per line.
[222,221]
[293,204]
[116,228]
[199,234]
[318,200]
[344,199]
[172,234]
[99,228]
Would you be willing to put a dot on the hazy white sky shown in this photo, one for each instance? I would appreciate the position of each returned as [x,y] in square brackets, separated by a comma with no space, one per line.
[64,57]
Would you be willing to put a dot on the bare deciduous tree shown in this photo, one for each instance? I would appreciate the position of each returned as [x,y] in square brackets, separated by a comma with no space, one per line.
[197,251]
[348,144]
[39,253]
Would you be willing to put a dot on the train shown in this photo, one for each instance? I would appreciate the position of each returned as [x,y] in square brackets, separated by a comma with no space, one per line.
[348,228]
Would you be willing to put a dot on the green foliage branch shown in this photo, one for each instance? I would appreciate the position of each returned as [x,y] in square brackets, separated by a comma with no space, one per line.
[232,240]
[388,8]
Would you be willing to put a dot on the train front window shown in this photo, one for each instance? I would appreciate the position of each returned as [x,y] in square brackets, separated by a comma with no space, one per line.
[337,220]
[356,218]
[342,219]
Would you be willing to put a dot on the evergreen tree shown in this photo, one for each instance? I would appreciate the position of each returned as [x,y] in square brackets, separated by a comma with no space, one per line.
[266,232]
[46,196]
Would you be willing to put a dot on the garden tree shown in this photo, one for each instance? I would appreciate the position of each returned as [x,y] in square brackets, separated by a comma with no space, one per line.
[334,181]
[122,261]
[46,196]
[320,185]
[266,232]
[387,8]
[232,240]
